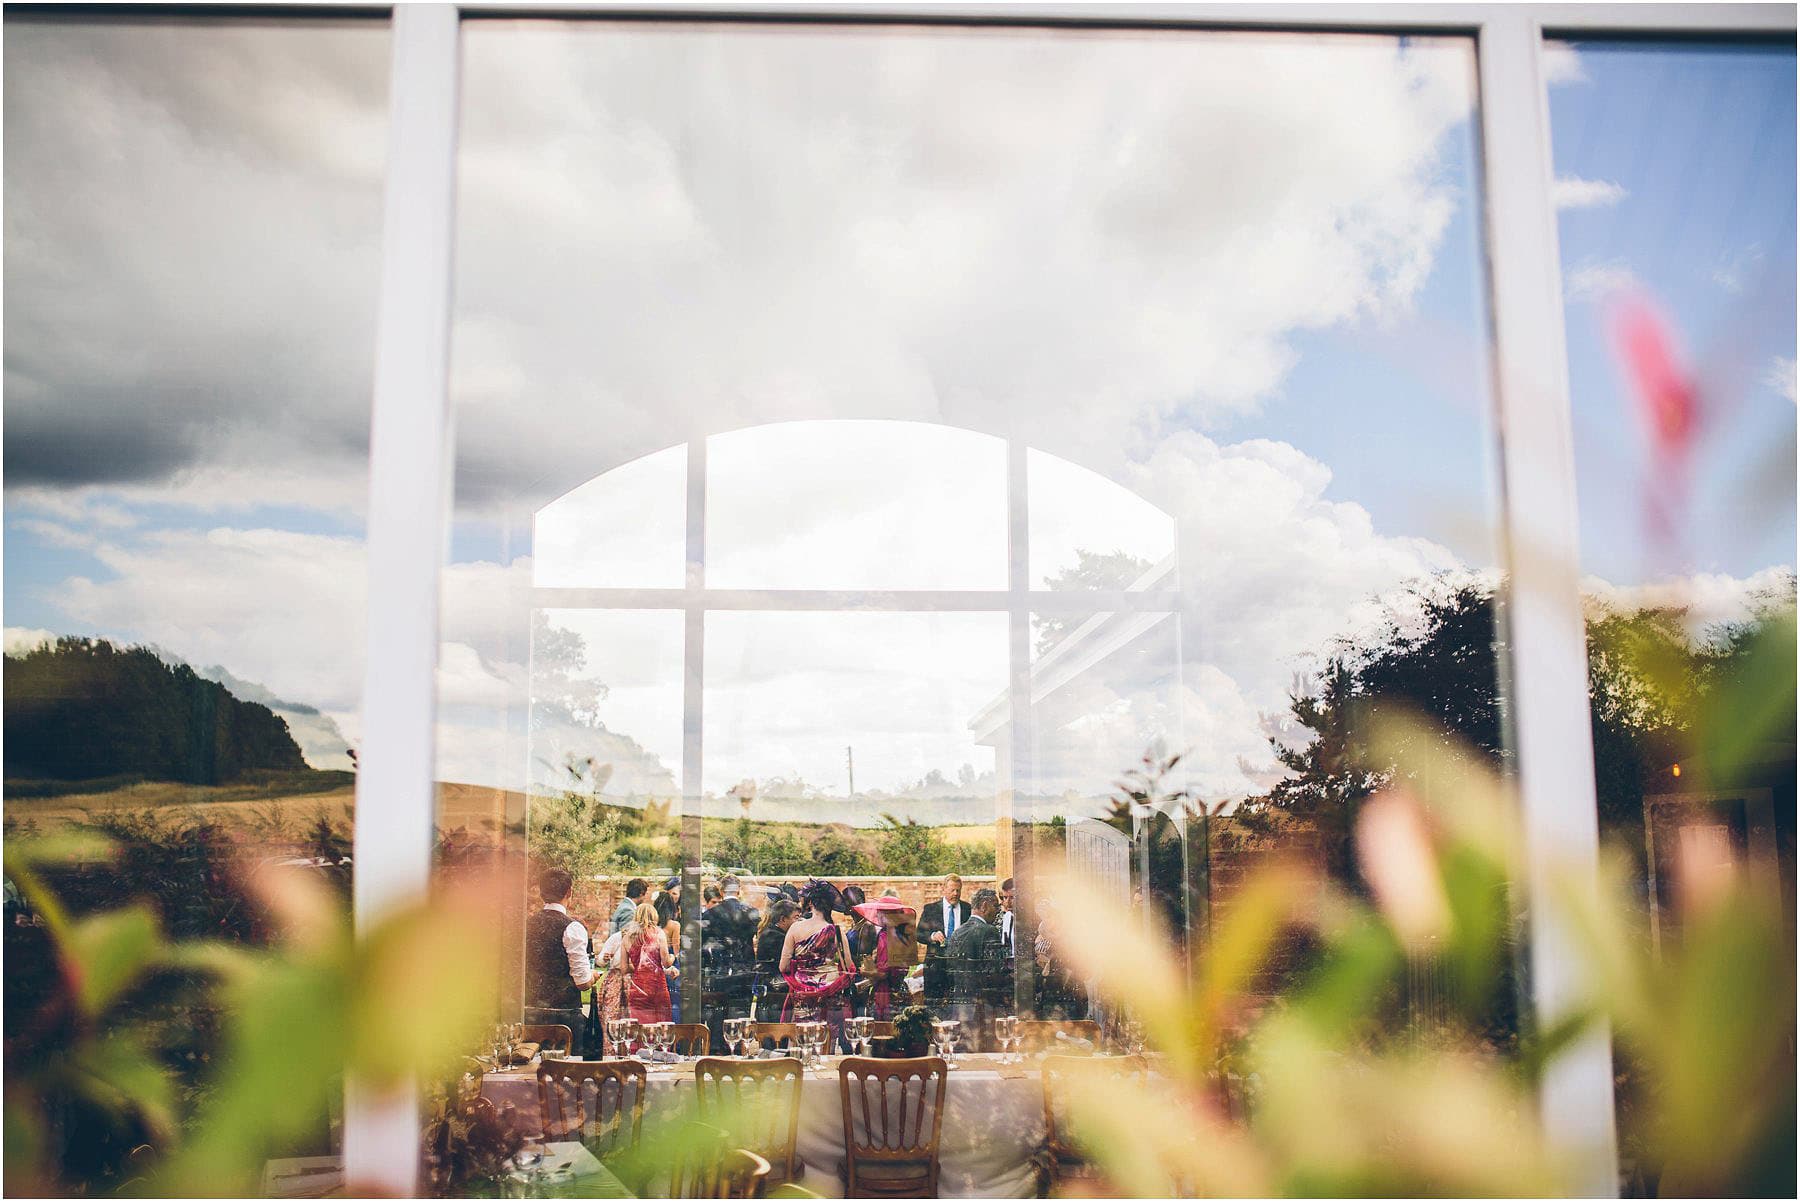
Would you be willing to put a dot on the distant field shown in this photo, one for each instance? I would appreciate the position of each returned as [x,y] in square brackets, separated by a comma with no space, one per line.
[258,811]
[256,817]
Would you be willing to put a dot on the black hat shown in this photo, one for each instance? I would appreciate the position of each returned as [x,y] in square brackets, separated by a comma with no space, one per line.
[672,884]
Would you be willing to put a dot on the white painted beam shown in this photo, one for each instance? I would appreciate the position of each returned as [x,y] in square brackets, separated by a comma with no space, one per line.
[1548,663]
[409,488]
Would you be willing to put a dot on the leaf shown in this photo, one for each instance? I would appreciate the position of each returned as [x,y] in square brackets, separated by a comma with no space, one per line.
[1130,964]
[106,953]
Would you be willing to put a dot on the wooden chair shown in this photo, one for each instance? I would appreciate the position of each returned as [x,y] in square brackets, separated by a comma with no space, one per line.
[758,1102]
[547,1036]
[704,1165]
[778,1032]
[692,1039]
[1064,1159]
[878,1027]
[563,1103]
[890,1142]
[1039,1035]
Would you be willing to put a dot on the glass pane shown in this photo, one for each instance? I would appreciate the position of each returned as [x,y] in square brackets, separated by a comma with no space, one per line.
[1218,296]
[193,221]
[625,528]
[864,504]
[1675,186]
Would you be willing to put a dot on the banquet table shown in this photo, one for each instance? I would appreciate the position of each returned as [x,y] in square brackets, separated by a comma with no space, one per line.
[993,1122]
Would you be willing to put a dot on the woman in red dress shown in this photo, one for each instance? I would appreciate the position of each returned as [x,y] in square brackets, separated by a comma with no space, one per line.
[648,966]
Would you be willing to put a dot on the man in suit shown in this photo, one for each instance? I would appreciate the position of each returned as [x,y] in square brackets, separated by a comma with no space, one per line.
[938,921]
[977,964]
[727,958]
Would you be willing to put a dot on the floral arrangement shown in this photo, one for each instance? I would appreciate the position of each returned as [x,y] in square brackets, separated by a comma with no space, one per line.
[912,1029]
[467,1139]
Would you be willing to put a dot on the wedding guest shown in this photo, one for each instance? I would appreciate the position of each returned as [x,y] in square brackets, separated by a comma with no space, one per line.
[1006,914]
[649,966]
[668,915]
[769,989]
[635,889]
[896,951]
[727,957]
[815,960]
[977,964]
[937,923]
[557,967]
[609,991]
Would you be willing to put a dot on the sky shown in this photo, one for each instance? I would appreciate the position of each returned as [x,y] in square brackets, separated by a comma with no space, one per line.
[1228,288]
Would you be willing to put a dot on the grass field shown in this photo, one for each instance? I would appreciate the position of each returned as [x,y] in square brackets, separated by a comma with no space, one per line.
[260,811]
[260,814]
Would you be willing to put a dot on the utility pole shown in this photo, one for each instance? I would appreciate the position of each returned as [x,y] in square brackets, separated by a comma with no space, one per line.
[850,763]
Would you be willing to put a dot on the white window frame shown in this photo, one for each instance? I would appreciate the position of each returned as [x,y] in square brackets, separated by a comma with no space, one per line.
[411,457]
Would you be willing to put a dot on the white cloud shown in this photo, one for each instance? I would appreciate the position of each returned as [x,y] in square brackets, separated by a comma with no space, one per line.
[280,609]
[1563,65]
[1780,377]
[20,639]
[1049,231]
[1572,192]
[1595,281]
[1711,599]
[1736,268]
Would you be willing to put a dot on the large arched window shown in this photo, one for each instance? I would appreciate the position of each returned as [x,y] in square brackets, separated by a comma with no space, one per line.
[842,622]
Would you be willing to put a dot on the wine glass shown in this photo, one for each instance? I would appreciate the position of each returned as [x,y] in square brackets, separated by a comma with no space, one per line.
[1134,1037]
[1012,1039]
[859,1034]
[529,1159]
[952,1034]
[734,1033]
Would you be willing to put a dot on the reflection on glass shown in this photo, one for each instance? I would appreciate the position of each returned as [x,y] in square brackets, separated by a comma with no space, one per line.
[801,702]
[606,702]
[193,218]
[625,528]
[873,505]
[1089,533]
[1675,184]
[1232,328]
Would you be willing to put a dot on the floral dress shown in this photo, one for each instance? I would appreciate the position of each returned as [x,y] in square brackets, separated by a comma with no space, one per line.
[818,984]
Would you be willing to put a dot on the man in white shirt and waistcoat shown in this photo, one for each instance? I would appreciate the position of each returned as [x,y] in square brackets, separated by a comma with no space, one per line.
[557,965]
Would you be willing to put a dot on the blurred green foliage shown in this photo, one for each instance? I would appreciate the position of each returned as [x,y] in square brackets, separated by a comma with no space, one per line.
[1347,1096]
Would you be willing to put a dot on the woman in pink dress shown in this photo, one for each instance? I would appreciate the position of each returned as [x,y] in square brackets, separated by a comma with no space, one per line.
[649,967]
[815,960]
[896,951]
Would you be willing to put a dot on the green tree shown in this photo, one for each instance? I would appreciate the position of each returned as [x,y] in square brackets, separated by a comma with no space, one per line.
[80,709]
[836,854]
[909,848]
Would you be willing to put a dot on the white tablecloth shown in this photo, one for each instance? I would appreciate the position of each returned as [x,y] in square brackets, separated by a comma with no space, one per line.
[993,1125]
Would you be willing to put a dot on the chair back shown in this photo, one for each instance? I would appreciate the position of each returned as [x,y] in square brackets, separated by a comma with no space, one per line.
[893,1117]
[778,1032]
[757,1102]
[692,1039]
[1038,1035]
[704,1165]
[547,1035]
[879,1026]
[600,1102]
[1062,1074]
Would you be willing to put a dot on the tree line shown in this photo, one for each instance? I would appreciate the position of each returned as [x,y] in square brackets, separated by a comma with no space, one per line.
[83,709]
